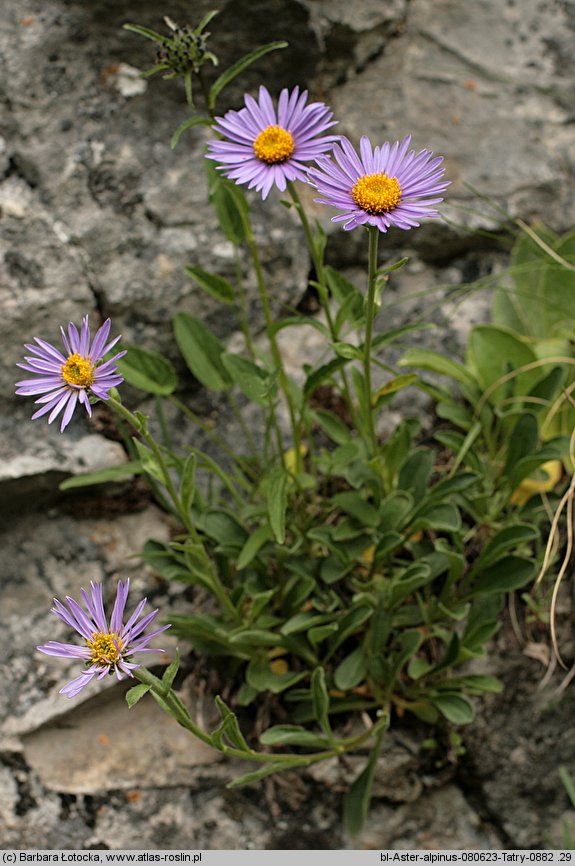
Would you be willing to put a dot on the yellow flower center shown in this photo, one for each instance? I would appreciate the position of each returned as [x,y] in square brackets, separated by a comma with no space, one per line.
[78,371]
[274,144]
[376,193]
[106,648]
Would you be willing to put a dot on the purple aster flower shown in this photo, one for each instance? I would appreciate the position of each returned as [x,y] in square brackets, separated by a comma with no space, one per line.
[109,647]
[264,148]
[65,380]
[383,186]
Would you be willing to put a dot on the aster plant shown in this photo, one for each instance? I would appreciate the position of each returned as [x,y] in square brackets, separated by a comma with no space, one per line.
[342,577]
[109,644]
[66,380]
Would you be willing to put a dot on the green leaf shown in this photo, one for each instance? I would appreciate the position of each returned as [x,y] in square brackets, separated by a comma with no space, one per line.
[253,545]
[144,31]
[319,375]
[355,505]
[229,203]
[348,351]
[320,700]
[260,676]
[239,66]
[356,802]
[455,708]
[150,465]
[276,487]
[171,671]
[337,431]
[135,693]
[148,371]
[202,352]
[391,387]
[522,441]
[188,482]
[416,472]
[292,735]
[442,516]
[216,286]
[254,382]
[425,359]
[506,539]
[492,353]
[267,770]
[233,732]
[351,671]
[505,575]
[103,476]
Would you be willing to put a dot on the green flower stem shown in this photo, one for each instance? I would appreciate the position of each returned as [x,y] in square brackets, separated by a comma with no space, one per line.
[276,355]
[139,424]
[369,317]
[171,703]
[318,264]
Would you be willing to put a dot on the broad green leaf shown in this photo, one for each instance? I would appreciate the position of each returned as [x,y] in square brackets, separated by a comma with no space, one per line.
[292,735]
[135,693]
[335,428]
[260,676]
[320,700]
[425,359]
[508,538]
[202,352]
[356,802]
[505,575]
[150,465]
[188,482]
[171,671]
[276,487]
[494,352]
[321,632]
[254,543]
[103,476]
[229,203]
[392,386]
[416,472]
[148,371]
[348,351]
[522,442]
[455,708]
[267,770]
[254,382]
[351,671]
[355,505]
[233,732]
[216,286]
[441,516]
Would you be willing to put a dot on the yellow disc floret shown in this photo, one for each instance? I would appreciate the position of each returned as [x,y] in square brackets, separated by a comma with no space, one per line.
[106,648]
[376,193]
[274,144]
[78,371]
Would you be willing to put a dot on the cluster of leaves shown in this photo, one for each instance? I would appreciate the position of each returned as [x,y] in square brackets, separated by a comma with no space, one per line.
[355,582]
